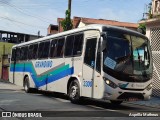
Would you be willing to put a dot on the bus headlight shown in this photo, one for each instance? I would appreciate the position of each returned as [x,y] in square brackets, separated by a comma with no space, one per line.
[149,87]
[110,83]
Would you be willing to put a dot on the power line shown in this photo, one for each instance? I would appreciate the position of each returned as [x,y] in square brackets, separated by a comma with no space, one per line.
[22,22]
[17,24]
[22,11]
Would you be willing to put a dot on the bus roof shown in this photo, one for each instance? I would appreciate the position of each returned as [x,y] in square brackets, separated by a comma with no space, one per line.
[98,27]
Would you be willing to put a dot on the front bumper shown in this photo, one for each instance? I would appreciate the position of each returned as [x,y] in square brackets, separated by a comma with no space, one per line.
[126,95]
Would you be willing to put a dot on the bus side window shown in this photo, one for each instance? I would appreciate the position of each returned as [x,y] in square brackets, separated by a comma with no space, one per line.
[78,43]
[18,55]
[46,49]
[43,49]
[22,53]
[73,46]
[40,49]
[25,53]
[35,49]
[69,45]
[60,48]
[30,52]
[53,48]
[13,54]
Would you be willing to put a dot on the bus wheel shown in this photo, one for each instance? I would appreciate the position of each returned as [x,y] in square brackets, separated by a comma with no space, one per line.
[116,102]
[74,92]
[27,89]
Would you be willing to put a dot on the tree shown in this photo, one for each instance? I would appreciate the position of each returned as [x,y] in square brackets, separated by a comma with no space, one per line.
[67,23]
[142,28]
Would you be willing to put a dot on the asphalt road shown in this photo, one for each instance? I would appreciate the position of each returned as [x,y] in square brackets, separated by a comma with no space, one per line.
[57,105]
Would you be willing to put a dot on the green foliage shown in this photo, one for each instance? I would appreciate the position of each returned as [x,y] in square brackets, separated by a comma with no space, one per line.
[67,23]
[142,28]
[150,11]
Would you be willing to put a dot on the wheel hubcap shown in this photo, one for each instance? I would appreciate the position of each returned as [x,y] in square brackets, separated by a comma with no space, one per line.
[73,91]
[25,87]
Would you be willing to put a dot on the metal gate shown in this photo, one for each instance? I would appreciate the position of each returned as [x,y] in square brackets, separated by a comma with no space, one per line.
[155,46]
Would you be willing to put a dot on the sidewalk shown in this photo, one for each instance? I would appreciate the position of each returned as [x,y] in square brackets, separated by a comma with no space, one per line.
[153,102]
[6,85]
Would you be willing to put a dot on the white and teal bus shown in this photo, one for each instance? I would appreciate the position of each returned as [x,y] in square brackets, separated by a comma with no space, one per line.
[96,61]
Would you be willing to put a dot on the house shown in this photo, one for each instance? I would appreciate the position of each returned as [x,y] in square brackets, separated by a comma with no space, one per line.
[81,21]
[153,33]
[52,29]
[7,40]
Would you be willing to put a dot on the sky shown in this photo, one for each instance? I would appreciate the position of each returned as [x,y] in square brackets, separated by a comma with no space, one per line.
[31,16]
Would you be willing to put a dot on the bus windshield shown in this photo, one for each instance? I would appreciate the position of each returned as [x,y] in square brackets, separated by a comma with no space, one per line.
[127,55]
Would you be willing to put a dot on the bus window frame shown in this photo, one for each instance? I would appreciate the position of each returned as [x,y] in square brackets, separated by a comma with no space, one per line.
[48,40]
[57,38]
[78,55]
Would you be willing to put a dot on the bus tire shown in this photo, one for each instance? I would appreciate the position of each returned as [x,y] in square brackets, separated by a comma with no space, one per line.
[74,92]
[115,102]
[27,88]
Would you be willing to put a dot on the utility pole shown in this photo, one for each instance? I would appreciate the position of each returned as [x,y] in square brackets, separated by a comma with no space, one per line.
[67,22]
[69,6]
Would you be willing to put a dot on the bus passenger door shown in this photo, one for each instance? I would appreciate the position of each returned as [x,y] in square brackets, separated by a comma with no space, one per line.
[88,67]
[98,89]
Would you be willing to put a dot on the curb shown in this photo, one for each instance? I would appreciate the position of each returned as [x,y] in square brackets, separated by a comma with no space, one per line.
[4,81]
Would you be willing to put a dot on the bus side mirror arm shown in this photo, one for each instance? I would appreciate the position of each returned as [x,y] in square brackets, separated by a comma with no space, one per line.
[104,44]
[103,41]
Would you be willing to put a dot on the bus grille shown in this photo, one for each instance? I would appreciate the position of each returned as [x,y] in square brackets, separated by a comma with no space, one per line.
[126,96]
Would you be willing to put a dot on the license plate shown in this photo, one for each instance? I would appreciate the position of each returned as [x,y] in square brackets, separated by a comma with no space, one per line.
[133,99]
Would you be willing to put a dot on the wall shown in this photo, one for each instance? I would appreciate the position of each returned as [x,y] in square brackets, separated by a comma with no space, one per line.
[8,47]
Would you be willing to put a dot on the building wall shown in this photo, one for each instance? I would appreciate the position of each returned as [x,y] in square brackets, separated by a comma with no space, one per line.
[155,7]
[153,33]
[52,29]
[81,24]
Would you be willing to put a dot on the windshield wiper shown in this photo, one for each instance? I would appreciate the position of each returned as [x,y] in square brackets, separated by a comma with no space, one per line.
[138,58]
